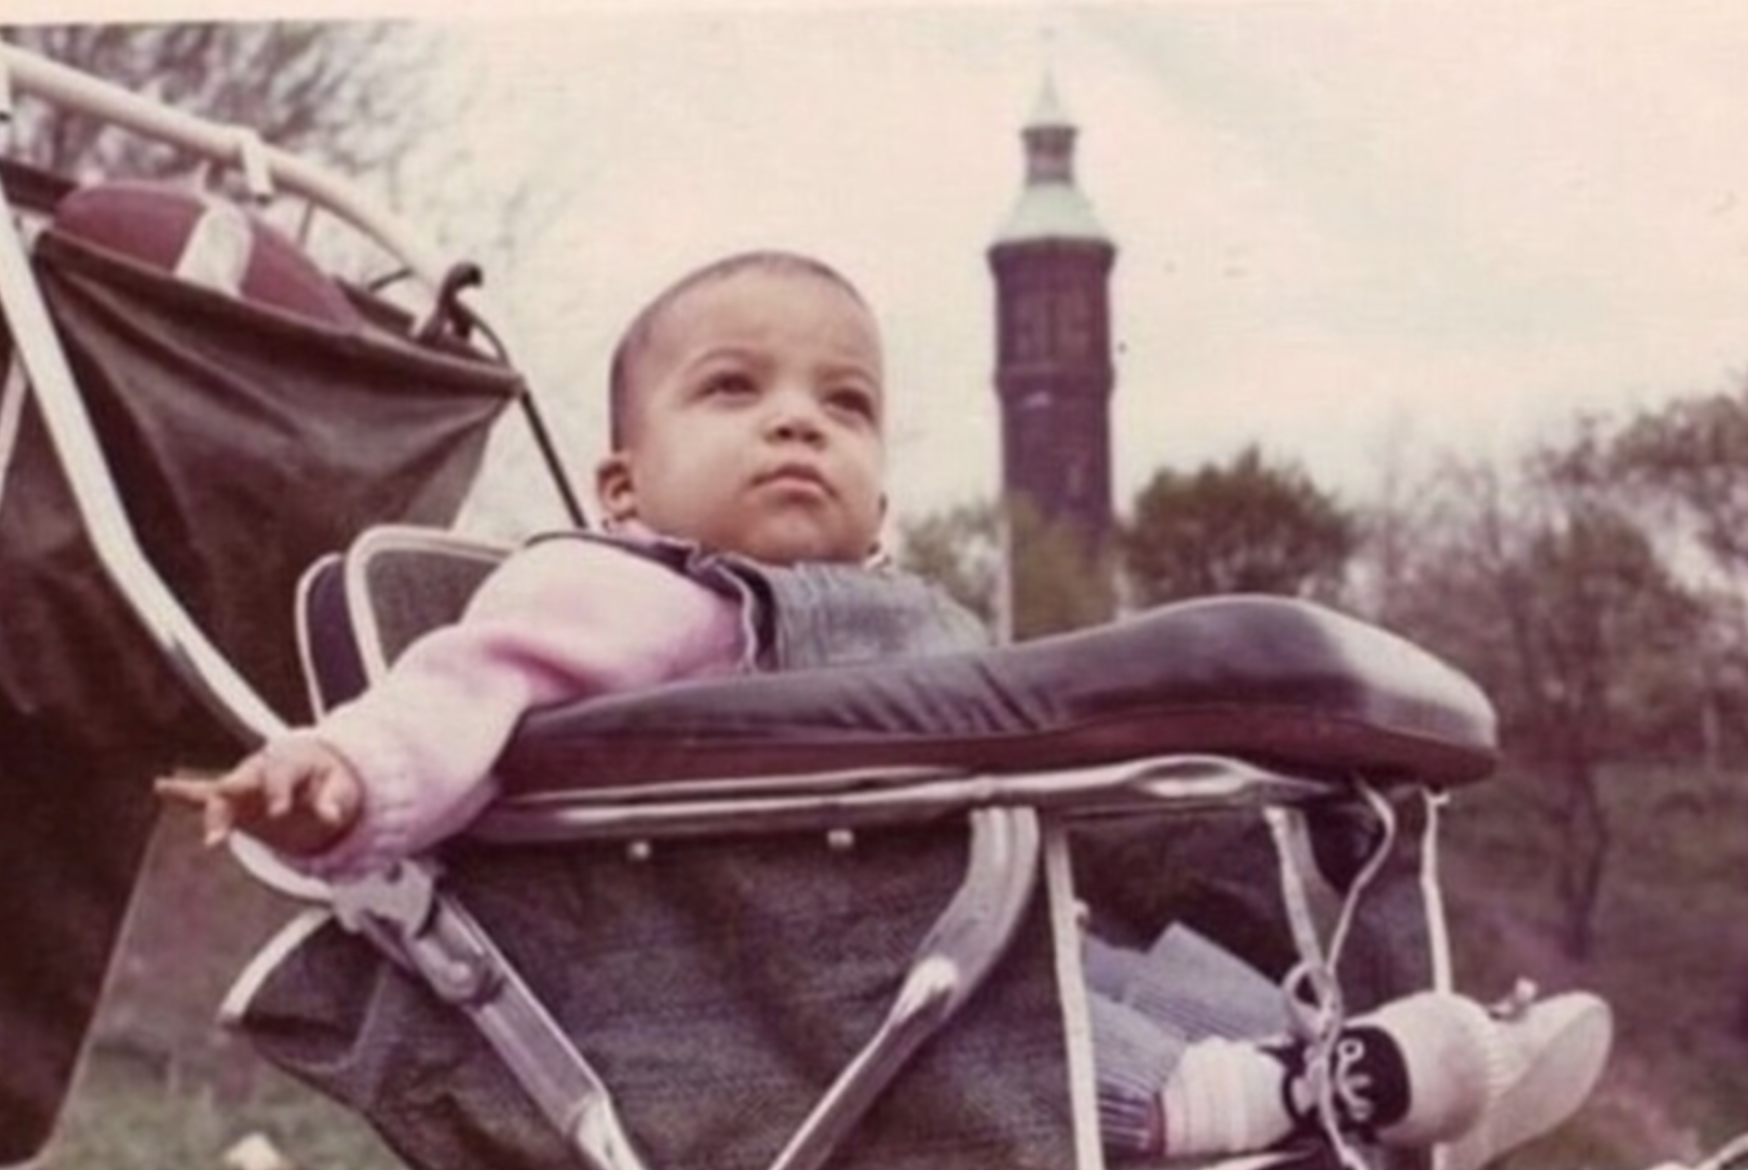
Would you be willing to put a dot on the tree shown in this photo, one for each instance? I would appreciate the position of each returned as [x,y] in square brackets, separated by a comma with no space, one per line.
[1544,585]
[1246,527]
[350,93]
[1057,579]
[1022,573]
[1603,607]
[959,550]
[356,96]
[1691,458]
[1687,464]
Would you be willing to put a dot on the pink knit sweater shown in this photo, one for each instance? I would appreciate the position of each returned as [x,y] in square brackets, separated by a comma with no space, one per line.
[560,620]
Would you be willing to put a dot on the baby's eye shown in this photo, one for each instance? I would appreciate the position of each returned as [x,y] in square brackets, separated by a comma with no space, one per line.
[729,383]
[854,400]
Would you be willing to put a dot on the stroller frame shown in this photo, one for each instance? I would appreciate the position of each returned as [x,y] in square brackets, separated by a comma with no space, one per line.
[1017,823]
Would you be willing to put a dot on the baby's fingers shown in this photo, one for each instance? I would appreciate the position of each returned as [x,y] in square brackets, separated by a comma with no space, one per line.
[332,803]
[219,819]
[183,790]
[210,797]
[280,781]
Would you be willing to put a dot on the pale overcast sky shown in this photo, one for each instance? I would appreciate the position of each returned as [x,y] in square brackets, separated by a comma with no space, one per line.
[1345,228]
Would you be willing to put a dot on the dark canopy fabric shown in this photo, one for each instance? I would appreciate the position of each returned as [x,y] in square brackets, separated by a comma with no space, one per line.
[244,443]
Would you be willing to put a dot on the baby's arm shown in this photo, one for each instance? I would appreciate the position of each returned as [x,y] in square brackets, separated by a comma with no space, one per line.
[563,619]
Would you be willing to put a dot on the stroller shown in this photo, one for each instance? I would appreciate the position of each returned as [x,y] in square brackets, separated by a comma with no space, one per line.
[827,918]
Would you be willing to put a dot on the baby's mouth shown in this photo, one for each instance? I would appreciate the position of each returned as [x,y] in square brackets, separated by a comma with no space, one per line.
[794,475]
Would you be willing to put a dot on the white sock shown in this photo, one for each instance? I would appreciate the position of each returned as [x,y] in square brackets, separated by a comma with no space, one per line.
[1224,1097]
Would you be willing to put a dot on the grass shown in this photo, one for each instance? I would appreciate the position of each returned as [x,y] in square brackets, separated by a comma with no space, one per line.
[162,1084]
[120,1119]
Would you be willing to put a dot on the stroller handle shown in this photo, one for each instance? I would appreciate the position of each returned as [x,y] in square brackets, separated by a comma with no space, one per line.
[266,167]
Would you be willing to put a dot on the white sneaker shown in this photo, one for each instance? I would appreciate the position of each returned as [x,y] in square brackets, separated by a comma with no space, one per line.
[1546,1057]
[1409,1074]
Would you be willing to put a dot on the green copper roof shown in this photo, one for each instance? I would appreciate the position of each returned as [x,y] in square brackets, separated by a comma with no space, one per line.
[1050,206]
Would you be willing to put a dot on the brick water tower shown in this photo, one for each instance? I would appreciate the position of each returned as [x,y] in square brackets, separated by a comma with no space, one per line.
[1052,265]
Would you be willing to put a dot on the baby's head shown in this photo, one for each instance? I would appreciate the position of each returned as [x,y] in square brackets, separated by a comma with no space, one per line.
[748,413]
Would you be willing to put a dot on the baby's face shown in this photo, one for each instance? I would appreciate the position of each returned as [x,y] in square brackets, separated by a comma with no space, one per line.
[758,422]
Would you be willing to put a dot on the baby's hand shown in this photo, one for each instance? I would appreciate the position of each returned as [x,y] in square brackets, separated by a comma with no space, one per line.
[297,796]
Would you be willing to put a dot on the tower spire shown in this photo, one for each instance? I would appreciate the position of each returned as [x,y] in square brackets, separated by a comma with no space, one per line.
[1051,206]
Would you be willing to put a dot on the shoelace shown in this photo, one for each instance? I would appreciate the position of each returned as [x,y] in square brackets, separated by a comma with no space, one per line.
[1352,1085]
[1314,999]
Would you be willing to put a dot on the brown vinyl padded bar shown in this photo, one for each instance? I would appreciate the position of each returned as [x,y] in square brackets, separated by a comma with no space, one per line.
[1282,682]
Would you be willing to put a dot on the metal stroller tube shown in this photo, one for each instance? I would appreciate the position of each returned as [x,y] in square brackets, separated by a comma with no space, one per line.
[403,912]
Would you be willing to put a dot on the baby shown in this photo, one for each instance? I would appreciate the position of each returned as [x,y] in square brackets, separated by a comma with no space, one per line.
[749,414]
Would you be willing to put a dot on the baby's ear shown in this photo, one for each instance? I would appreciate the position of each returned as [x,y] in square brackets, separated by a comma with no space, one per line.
[615,488]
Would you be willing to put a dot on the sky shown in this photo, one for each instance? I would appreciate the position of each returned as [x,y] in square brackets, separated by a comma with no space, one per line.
[1360,234]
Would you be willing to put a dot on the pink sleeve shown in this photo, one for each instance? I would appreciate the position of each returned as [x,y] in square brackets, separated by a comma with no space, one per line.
[561,620]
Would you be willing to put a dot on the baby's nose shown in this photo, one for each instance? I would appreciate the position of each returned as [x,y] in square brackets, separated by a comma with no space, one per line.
[795,414]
